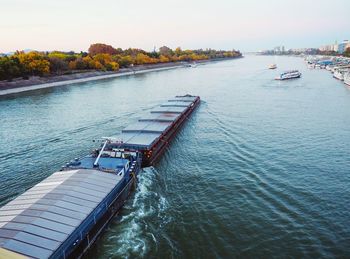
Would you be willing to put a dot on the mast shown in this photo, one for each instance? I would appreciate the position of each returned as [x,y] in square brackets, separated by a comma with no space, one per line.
[99,155]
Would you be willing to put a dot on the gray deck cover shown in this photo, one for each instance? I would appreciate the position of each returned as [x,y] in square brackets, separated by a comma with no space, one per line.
[170,109]
[148,126]
[144,139]
[161,117]
[184,98]
[176,104]
[37,222]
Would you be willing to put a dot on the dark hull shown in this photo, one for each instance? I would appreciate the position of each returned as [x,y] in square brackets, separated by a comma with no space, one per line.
[112,205]
[152,155]
[93,234]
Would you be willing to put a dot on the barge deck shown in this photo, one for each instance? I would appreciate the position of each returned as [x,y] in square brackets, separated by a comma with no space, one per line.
[152,133]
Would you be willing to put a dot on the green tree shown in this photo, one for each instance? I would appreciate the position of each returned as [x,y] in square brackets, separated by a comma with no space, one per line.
[10,68]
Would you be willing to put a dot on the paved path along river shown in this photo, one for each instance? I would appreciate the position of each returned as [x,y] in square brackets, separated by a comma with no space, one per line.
[261,169]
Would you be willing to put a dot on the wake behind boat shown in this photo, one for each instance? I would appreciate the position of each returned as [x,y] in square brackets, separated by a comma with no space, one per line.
[289,75]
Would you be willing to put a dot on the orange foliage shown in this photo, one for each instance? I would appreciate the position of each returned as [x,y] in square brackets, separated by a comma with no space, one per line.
[34,63]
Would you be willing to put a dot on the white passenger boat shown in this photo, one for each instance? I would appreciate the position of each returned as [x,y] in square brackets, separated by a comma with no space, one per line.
[329,67]
[272,66]
[339,74]
[289,75]
[347,78]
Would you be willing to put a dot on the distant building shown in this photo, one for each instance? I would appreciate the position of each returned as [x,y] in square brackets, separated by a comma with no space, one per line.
[330,47]
[342,46]
[335,47]
[277,49]
[300,50]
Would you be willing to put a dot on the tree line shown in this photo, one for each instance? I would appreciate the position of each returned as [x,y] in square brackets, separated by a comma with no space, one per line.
[347,53]
[100,56]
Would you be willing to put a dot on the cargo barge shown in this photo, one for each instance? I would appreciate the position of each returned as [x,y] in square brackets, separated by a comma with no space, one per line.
[151,134]
[62,216]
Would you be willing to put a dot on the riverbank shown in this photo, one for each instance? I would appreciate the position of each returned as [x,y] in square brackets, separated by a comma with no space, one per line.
[54,81]
[35,83]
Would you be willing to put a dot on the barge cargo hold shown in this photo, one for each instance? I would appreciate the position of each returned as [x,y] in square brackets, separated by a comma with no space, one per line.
[151,134]
[62,216]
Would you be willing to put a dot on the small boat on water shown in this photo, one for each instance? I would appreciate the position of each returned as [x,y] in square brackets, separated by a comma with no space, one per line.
[339,74]
[347,78]
[194,64]
[289,75]
[272,66]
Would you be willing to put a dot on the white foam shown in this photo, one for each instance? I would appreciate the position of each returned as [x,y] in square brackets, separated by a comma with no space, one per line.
[135,234]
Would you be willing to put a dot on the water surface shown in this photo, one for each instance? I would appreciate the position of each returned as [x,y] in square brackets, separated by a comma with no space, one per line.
[260,170]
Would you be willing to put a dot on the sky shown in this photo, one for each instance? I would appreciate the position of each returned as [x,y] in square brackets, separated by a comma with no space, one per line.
[247,25]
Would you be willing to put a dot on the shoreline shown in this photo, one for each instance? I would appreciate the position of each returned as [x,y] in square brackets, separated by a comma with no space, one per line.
[85,77]
[94,76]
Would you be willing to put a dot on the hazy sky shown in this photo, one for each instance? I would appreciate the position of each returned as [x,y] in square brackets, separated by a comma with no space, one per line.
[247,25]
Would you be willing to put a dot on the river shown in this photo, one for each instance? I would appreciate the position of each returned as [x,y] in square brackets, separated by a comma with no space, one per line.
[261,169]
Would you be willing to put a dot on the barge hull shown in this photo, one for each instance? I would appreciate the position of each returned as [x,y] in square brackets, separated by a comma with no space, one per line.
[159,147]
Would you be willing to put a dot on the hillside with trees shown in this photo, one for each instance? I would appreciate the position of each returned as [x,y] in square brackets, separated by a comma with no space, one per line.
[100,57]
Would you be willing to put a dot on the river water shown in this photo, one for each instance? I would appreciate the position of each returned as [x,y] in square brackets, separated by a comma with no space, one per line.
[261,169]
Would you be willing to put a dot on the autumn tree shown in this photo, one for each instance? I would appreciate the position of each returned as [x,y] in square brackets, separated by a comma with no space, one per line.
[112,66]
[163,59]
[133,52]
[34,63]
[347,52]
[100,57]
[178,51]
[58,65]
[103,58]
[125,61]
[165,51]
[80,63]
[99,48]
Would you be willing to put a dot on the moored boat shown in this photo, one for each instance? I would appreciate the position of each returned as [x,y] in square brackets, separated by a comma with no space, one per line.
[339,74]
[347,78]
[289,75]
